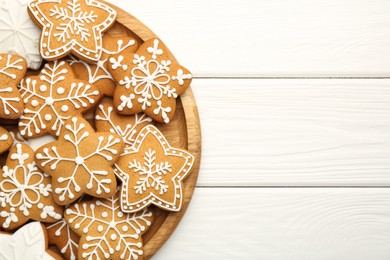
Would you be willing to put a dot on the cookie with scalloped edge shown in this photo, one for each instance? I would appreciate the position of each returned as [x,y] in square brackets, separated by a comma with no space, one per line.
[149,81]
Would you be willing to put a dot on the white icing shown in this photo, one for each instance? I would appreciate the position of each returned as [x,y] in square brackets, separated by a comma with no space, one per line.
[26,243]
[71,245]
[19,34]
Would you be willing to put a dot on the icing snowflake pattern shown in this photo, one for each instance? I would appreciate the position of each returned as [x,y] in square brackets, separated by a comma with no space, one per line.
[106,232]
[152,172]
[88,169]
[127,127]
[68,246]
[51,98]
[19,34]
[25,192]
[149,81]
[79,31]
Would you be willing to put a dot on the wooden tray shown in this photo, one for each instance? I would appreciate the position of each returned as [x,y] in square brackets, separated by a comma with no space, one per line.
[182,132]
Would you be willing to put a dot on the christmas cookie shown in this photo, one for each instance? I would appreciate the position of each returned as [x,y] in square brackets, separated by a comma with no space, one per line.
[29,242]
[71,26]
[12,70]
[19,33]
[97,73]
[128,127]
[152,172]
[149,80]
[80,161]
[5,140]
[52,97]
[106,232]
[25,191]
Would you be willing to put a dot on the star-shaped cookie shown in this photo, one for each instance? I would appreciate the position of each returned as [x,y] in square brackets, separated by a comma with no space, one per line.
[25,191]
[152,172]
[106,232]
[52,97]
[12,70]
[80,161]
[149,81]
[72,26]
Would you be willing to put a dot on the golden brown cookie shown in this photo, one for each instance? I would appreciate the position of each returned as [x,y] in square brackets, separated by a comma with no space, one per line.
[5,140]
[12,70]
[72,27]
[128,127]
[52,97]
[80,161]
[29,242]
[97,73]
[106,232]
[149,81]
[25,191]
[152,172]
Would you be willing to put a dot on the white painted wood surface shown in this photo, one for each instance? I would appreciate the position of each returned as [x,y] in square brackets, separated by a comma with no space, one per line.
[272,37]
[290,139]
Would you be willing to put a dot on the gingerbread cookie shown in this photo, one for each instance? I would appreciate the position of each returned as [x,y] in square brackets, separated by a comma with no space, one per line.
[149,80]
[106,232]
[19,33]
[5,140]
[25,191]
[64,238]
[12,70]
[152,172]
[29,242]
[128,127]
[80,161]
[97,73]
[72,27]
[52,97]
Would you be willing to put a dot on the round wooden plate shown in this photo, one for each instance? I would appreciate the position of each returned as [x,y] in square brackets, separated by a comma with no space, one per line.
[182,132]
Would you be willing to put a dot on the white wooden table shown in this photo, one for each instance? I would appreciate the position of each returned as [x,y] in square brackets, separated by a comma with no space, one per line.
[294,99]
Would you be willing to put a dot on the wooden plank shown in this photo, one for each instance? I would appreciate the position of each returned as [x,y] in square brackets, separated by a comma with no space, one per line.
[280,224]
[272,38]
[294,132]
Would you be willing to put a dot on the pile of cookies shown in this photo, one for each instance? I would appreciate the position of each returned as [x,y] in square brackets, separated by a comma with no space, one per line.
[86,185]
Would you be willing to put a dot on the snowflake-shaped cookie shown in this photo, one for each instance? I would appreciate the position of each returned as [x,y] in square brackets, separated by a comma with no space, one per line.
[29,242]
[106,232]
[5,140]
[128,127]
[149,80]
[52,97]
[25,191]
[80,161]
[19,34]
[72,26]
[64,238]
[12,70]
[152,172]
[97,73]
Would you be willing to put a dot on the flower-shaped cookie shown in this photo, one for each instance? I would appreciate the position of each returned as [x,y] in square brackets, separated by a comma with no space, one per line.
[5,140]
[128,127]
[71,26]
[152,172]
[12,70]
[149,80]
[29,242]
[80,161]
[97,73]
[106,232]
[52,97]
[25,191]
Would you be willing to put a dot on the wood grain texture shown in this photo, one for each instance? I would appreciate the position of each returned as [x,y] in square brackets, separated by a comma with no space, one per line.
[294,132]
[281,224]
[263,38]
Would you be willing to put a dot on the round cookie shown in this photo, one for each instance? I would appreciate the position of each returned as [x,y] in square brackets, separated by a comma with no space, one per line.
[25,191]
[149,81]
[106,232]
[52,97]
[152,172]
[12,70]
[5,140]
[80,162]
[71,27]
